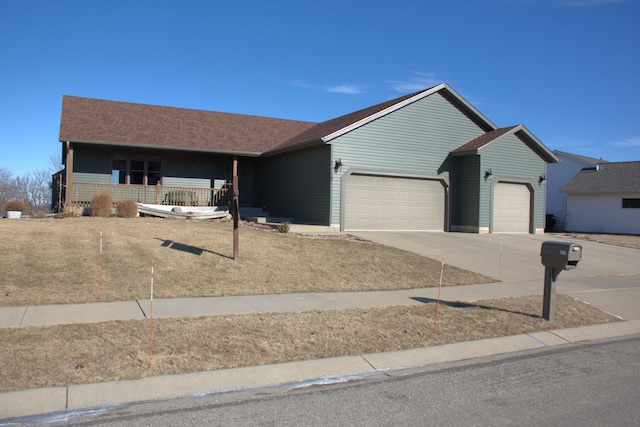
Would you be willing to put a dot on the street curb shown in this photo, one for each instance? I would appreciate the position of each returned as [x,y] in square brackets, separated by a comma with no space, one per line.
[75,397]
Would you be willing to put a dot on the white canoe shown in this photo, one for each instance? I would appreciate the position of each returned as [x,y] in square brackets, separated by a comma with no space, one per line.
[183,212]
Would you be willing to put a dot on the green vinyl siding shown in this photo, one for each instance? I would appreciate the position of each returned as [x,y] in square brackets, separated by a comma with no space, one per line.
[415,140]
[465,193]
[512,160]
[296,185]
[182,168]
[92,163]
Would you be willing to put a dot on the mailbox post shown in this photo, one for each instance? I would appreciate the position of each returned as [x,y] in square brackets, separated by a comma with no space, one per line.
[556,256]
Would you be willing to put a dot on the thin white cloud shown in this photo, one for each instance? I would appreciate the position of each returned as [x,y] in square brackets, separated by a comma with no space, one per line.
[415,82]
[629,142]
[346,89]
[298,83]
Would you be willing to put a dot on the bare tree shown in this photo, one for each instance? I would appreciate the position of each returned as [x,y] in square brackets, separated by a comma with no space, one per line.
[34,188]
[38,189]
[55,163]
[7,187]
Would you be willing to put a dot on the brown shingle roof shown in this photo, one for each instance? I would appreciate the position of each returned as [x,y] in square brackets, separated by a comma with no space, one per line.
[321,130]
[482,140]
[99,121]
[621,177]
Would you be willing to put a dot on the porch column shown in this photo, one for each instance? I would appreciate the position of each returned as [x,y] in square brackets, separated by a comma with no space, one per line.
[69,174]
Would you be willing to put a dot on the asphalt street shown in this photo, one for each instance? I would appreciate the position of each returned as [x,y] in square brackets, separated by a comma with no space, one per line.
[589,384]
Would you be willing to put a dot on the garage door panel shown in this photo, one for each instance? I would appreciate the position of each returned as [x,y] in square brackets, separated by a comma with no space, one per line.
[511,208]
[406,203]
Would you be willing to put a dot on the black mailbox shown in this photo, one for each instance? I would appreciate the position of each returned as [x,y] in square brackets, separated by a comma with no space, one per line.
[560,255]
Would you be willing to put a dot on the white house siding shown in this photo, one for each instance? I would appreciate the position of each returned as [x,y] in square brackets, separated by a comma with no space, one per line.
[602,213]
[414,140]
[558,174]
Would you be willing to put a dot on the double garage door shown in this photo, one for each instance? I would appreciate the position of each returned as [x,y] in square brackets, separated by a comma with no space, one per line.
[393,203]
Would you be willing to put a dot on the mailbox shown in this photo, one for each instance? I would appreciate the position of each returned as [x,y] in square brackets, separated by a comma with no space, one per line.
[556,256]
[560,255]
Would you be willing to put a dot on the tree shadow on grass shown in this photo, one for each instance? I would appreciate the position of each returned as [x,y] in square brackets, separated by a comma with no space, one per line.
[188,248]
[466,305]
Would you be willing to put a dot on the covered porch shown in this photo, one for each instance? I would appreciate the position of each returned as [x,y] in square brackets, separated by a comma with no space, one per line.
[80,194]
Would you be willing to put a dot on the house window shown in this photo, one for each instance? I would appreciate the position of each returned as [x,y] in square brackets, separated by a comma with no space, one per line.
[119,171]
[630,203]
[136,174]
[153,172]
[135,171]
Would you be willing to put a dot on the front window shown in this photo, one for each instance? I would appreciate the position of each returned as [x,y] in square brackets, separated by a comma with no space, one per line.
[119,171]
[136,171]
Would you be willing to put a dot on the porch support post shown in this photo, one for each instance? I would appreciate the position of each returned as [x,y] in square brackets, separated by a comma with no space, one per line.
[235,210]
[68,175]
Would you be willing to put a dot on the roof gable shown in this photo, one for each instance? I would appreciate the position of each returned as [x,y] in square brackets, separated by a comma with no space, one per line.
[123,123]
[520,131]
[331,129]
[621,177]
[583,160]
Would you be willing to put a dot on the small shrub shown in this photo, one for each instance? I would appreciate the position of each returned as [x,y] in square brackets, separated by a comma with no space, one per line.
[284,227]
[39,213]
[128,209]
[72,212]
[15,205]
[101,205]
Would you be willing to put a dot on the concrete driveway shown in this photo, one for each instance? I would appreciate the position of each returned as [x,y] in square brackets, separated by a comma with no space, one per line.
[607,277]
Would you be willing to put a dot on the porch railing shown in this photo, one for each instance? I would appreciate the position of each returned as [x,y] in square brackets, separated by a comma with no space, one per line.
[83,193]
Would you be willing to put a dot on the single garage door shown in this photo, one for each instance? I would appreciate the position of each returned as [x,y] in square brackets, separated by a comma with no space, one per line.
[511,208]
[393,203]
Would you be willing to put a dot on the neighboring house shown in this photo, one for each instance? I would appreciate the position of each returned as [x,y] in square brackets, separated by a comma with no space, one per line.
[605,199]
[558,174]
[426,161]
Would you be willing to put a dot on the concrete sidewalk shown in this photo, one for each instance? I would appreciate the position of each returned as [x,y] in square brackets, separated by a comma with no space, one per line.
[194,307]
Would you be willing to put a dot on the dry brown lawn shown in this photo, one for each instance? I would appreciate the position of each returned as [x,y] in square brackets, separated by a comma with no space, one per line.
[57,261]
[628,241]
[74,354]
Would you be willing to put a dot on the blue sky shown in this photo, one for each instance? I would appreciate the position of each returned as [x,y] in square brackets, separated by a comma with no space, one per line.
[567,69]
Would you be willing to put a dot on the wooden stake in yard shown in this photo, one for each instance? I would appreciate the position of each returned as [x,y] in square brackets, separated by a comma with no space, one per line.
[435,327]
[100,282]
[151,320]
[501,258]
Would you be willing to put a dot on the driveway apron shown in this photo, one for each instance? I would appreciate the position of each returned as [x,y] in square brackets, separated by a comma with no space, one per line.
[607,276]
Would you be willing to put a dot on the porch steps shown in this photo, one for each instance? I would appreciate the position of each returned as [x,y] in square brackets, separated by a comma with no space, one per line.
[252,212]
[269,220]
